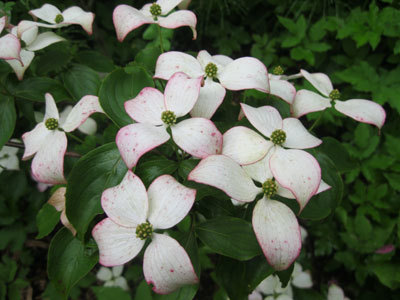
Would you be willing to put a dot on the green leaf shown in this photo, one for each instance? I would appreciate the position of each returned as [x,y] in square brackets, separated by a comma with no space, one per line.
[148,58]
[95,60]
[108,292]
[35,88]
[186,292]
[68,261]
[46,219]
[91,175]
[8,117]
[153,167]
[338,154]
[394,180]
[55,58]
[80,81]
[119,86]
[288,24]
[300,53]
[363,227]
[388,274]
[143,291]
[229,236]
[285,275]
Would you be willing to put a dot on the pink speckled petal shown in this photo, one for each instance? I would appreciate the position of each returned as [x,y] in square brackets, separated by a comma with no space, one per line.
[76,15]
[26,59]
[126,204]
[181,93]
[297,136]
[320,81]
[166,265]
[46,13]
[306,102]
[169,202]
[117,244]
[34,140]
[265,119]
[178,19]
[283,89]
[137,139]
[364,111]
[43,40]
[198,137]
[245,73]
[277,232]
[210,98]
[171,62]
[48,163]
[10,48]
[127,18]
[245,146]
[146,107]
[225,174]
[297,171]
[87,106]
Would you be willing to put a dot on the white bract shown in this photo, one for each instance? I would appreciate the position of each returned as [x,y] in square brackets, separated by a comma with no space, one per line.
[113,277]
[57,200]
[335,292]
[48,141]
[133,214]
[127,18]
[155,112]
[242,73]
[9,159]
[361,110]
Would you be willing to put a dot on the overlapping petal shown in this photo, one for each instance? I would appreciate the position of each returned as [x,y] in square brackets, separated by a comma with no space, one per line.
[76,15]
[46,13]
[277,232]
[171,62]
[265,119]
[306,102]
[167,5]
[26,59]
[43,40]
[166,265]
[51,108]
[320,81]
[297,136]
[179,19]
[34,140]
[10,47]
[117,244]
[169,202]
[283,89]
[126,204]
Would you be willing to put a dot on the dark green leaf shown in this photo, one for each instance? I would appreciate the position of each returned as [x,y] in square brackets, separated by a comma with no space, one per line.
[285,275]
[35,88]
[148,58]
[95,60]
[143,291]
[108,292]
[8,117]
[388,274]
[186,292]
[55,58]
[338,154]
[80,81]
[46,219]
[154,167]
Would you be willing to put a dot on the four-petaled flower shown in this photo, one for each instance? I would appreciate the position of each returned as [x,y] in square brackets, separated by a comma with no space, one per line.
[155,112]
[113,277]
[8,158]
[48,141]
[127,18]
[133,215]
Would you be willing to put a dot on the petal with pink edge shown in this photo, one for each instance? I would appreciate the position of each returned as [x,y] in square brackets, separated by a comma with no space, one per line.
[171,62]
[34,140]
[265,119]
[178,19]
[127,18]
[260,170]
[245,146]
[43,40]
[10,47]
[364,111]
[126,204]
[283,89]
[320,81]
[117,244]
[198,137]
[26,58]
[64,220]
[167,5]
[87,106]
[225,174]
[166,265]
[277,232]
[48,163]
[169,202]
[28,36]
[57,200]
[137,139]
[210,98]
[181,93]
[306,102]
[51,108]
[245,73]
[76,15]
[146,107]
[288,194]
[297,136]
[297,171]
[46,13]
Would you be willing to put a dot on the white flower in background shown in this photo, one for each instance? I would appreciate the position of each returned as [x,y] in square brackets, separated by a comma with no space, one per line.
[10,46]
[242,73]
[133,215]
[335,292]
[127,18]
[361,110]
[8,158]
[57,200]
[113,277]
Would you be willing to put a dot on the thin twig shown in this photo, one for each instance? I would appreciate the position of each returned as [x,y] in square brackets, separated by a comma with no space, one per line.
[22,146]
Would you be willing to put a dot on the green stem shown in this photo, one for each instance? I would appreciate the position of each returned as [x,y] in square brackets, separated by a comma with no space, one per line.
[316,121]
[161,43]
[74,137]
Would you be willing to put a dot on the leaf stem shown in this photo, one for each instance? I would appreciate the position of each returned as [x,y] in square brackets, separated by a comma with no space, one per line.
[316,122]
[74,137]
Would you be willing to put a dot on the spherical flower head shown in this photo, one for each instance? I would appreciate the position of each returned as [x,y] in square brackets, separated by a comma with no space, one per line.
[168,117]
[211,70]
[59,18]
[334,95]
[278,137]
[144,230]
[51,124]
[155,10]
[278,70]
[269,188]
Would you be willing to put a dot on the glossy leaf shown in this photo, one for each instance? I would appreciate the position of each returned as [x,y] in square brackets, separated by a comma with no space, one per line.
[153,167]
[35,88]
[95,60]
[80,81]
[8,117]
[47,218]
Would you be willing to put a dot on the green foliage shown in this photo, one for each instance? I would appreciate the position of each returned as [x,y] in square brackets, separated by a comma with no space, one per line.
[8,117]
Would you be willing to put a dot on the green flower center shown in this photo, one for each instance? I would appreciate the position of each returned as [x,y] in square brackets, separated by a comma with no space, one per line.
[278,70]
[270,188]
[211,70]
[155,10]
[168,117]
[144,230]
[278,137]
[59,18]
[335,94]
[51,124]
